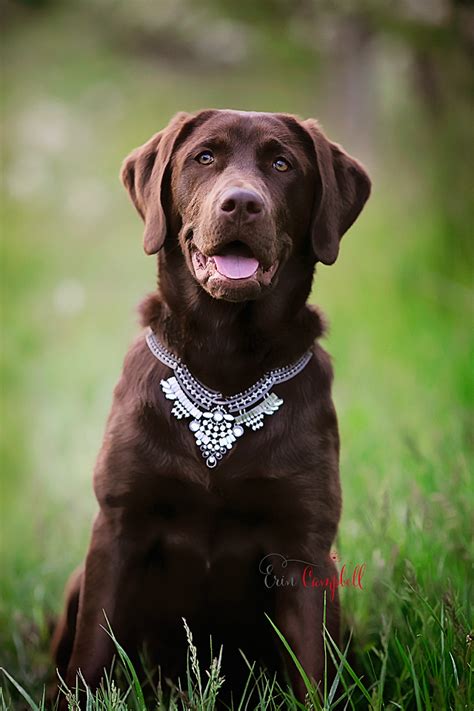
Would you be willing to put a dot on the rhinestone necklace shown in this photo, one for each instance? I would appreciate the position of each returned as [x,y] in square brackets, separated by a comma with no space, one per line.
[217,421]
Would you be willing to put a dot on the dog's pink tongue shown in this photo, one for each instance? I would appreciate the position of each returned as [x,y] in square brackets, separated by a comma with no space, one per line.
[234,266]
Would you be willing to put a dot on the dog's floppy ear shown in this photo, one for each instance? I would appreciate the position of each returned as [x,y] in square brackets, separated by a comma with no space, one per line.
[345,187]
[142,174]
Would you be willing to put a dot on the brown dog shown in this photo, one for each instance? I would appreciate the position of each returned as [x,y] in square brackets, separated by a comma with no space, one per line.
[240,206]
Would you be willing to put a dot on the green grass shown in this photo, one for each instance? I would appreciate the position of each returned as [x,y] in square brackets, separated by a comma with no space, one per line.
[73,273]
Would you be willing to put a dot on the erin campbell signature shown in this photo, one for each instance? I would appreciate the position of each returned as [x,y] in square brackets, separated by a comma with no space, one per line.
[274,568]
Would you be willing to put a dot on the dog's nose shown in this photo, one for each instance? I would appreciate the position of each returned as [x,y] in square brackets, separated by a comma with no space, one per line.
[241,204]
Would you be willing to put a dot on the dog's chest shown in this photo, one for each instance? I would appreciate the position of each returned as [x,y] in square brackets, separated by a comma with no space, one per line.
[193,526]
[191,537]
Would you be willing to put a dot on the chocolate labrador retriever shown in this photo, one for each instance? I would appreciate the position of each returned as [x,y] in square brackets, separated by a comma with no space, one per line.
[218,474]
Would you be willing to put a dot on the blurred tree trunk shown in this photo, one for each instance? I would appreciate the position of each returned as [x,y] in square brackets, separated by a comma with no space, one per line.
[351,83]
[443,81]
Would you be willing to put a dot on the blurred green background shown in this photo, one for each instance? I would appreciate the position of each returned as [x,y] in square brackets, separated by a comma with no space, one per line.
[84,83]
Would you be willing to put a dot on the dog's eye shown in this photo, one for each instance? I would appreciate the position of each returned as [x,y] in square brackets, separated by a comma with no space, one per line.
[205,158]
[281,164]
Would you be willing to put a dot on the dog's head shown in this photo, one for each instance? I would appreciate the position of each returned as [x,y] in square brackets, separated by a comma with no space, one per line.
[243,192]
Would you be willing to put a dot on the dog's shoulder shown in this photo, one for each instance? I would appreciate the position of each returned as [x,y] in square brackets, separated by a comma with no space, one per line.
[322,368]
[139,383]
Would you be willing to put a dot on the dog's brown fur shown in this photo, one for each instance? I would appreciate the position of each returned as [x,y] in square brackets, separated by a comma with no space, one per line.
[172,538]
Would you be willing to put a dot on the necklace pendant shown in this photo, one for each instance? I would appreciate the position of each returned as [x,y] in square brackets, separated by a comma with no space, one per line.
[215,433]
[216,430]
[218,422]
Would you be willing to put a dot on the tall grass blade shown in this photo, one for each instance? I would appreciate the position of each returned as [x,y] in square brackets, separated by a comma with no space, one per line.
[21,690]
[128,667]
[307,682]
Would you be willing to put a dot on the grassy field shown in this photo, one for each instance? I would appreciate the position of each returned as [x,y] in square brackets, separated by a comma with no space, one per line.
[73,272]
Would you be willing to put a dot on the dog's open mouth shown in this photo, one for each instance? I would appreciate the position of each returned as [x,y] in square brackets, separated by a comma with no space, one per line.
[235,268]
[236,262]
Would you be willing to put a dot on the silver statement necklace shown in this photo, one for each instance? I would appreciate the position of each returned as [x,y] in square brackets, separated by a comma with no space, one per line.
[217,421]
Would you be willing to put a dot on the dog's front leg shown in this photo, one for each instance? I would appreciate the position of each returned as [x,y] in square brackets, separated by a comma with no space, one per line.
[299,615]
[109,592]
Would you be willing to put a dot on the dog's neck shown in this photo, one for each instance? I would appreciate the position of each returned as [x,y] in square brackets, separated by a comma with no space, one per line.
[228,346]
